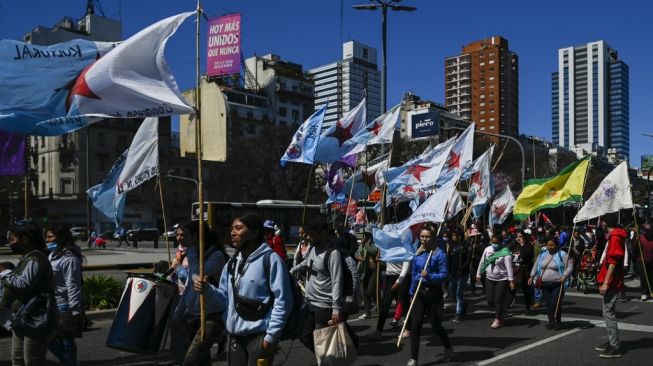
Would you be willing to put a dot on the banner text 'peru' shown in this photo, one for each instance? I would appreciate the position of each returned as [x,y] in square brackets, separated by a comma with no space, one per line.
[135,166]
[77,84]
[304,142]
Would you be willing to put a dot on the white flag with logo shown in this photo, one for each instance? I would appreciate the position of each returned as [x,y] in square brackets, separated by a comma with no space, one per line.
[612,195]
[142,161]
[501,207]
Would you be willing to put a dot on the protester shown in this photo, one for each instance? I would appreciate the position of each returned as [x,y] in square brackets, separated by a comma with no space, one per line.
[122,237]
[550,268]
[346,245]
[324,285]
[274,239]
[368,256]
[66,259]
[186,344]
[496,264]
[303,247]
[395,281]
[478,245]
[611,282]
[255,290]
[522,259]
[432,270]
[643,258]
[32,278]
[459,257]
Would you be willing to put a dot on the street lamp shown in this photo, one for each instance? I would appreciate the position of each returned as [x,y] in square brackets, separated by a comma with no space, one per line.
[384,6]
[171,175]
[648,187]
[523,155]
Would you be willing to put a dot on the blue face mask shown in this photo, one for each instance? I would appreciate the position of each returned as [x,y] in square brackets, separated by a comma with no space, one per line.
[52,246]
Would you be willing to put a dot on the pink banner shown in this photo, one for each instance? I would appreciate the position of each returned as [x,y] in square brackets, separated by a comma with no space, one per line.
[223,50]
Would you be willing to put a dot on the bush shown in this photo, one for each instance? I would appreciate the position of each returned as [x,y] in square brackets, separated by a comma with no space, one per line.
[101,292]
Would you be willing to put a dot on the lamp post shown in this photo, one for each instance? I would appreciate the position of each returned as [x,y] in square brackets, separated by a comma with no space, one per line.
[384,6]
[523,155]
[171,175]
[648,188]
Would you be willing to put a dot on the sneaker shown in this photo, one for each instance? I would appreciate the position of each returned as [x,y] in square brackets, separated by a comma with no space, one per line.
[364,316]
[536,305]
[644,297]
[412,362]
[394,323]
[602,347]
[610,353]
[375,335]
[448,352]
[457,318]
[405,334]
[496,324]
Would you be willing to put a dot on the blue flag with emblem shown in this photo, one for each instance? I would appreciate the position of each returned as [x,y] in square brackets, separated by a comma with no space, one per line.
[304,142]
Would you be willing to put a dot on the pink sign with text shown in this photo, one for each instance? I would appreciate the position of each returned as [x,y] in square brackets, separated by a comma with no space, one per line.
[223,49]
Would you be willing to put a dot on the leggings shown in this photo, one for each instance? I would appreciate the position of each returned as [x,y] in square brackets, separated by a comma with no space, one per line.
[496,293]
[369,289]
[388,295]
[551,291]
[433,305]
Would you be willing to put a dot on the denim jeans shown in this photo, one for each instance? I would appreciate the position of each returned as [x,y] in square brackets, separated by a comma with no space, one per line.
[26,351]
[65,349]
[457,286]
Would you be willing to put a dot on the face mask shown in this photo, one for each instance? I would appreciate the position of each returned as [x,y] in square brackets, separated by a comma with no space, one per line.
[52,247]
[495,247]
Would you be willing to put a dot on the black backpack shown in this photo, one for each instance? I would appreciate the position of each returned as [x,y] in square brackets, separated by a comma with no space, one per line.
[346,279]
[294,326]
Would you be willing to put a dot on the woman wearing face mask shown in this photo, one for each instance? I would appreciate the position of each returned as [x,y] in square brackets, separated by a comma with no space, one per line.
[550,267]
[496,263]
[430,297]
[31,278]
[66,259]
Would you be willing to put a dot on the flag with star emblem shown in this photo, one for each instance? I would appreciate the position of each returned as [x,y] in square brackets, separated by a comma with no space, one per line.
[304,142]
[612,195]
[502,206]
[480,185]
[379,131]
[332,144]
[132,80]
[567,186]
[460,157]
[364,181]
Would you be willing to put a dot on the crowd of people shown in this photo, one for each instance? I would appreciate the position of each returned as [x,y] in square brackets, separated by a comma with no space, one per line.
[260,296]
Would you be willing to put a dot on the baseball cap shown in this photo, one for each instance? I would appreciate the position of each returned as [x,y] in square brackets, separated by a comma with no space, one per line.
[268,224]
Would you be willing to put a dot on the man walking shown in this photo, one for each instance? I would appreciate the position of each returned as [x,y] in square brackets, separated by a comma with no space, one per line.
[611,283]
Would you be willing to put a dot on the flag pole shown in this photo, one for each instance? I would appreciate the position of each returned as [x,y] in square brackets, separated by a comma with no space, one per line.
[351,192]
[571,246]
[428,260]
[641,252]
[308,187]
[198,151]
[165,225]
[385,187]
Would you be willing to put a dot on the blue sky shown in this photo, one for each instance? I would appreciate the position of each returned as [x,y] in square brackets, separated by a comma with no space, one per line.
[309,32]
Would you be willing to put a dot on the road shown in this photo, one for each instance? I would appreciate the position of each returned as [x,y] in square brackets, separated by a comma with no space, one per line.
[523,339]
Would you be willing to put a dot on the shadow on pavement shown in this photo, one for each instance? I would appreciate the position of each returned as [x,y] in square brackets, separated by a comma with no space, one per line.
[494,342]
[596,313]
[633,345]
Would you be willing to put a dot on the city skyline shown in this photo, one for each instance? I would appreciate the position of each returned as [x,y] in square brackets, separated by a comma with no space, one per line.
[418,42]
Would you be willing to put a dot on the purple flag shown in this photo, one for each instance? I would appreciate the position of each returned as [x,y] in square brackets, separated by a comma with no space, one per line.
[12,159]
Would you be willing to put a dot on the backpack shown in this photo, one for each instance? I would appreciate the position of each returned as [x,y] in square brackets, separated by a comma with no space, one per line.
[346,279]
[294,326]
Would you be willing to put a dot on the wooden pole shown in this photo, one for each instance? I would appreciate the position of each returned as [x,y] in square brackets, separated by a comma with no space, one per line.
[198,151]
[308,187]
[165,225]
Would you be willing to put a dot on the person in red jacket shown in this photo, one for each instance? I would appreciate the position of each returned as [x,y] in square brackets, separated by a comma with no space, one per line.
[274,241]
[611,282]
[643,259]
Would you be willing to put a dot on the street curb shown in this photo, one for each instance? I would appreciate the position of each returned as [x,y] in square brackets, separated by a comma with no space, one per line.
[124,266]
[97,315]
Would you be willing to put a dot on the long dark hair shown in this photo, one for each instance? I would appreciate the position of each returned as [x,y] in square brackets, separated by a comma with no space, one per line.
[254,223]
[31,235]
[65,240]
[211,238]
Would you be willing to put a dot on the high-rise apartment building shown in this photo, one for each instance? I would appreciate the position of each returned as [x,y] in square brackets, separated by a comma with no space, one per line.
[344,83]
[481,85]
[590,100]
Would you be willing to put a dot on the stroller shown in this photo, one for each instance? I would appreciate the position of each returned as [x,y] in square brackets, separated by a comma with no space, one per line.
[587,270]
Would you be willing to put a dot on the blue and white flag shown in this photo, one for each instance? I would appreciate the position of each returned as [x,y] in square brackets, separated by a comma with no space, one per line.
[332,144]
[304,142]
[131,81]
[136,165]
[364,181]
[379,131]
[460,157]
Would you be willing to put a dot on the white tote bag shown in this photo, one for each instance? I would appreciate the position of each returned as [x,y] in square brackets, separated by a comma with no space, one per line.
[334,346]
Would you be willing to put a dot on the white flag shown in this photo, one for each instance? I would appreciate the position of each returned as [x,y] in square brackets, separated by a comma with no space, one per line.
[455,205]
[432,210]
[479,188]
[501,207]
[142,161]
[379,131]
[612,195]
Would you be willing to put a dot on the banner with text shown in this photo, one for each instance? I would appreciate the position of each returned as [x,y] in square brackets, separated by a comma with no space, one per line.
[223,50]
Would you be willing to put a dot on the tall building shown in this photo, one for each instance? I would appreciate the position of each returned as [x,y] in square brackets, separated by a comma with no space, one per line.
[343,83]
[481,85]
[590,102]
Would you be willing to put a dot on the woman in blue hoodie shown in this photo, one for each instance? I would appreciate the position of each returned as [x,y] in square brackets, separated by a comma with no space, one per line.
[255,291]
[430,296]
[66,258]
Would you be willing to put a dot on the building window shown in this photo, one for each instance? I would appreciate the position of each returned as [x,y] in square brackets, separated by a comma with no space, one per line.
[66,186]
[295,116]
[42,141]
[101,141]
[283,112]
[492,127]
[42,164]
[42,188]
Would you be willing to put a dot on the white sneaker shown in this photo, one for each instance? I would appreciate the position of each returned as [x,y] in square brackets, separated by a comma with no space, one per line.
[364,316]
[644,297]
[412,362]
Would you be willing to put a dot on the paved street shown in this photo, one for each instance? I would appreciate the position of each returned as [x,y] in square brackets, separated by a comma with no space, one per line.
[523,340]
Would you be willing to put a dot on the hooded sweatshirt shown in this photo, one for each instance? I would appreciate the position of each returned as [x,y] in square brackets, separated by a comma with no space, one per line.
[67,270]
[253,284]
[213,265]
[614,254]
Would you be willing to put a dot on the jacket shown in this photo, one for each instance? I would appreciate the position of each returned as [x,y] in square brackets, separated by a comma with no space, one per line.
[31,277]
[615,251]
[646,247]
[213,265]
[67,271]
[253,284]
[437,268]
[459,258]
